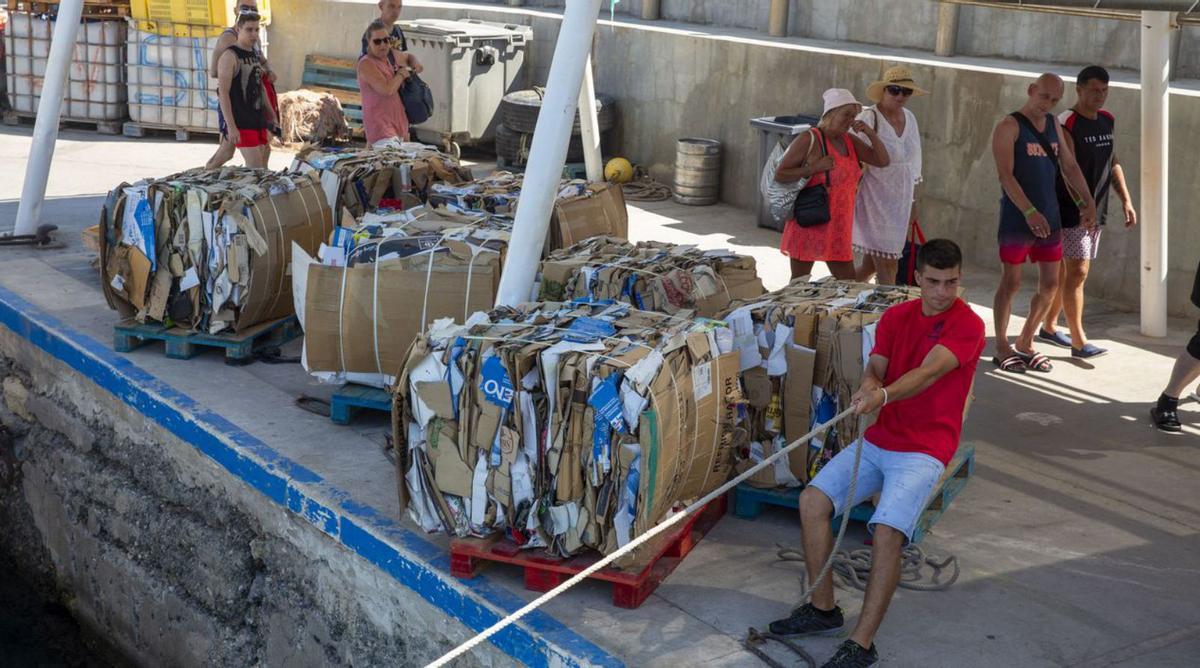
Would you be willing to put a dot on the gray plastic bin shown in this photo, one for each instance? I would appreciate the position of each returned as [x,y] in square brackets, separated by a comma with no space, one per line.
[469,66]
[771,130]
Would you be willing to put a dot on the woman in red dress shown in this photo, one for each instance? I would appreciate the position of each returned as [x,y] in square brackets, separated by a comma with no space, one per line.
[830,242]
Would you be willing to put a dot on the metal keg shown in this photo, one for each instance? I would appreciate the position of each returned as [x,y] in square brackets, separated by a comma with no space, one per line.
[697,171]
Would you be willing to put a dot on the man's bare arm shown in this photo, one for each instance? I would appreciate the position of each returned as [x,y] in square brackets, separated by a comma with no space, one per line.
[939,362]
[225,41]
[1003,138]
[225,70]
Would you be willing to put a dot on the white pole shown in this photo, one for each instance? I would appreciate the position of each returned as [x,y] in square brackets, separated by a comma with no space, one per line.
[549,151]
[45,128]
[1156,68]
[589,126]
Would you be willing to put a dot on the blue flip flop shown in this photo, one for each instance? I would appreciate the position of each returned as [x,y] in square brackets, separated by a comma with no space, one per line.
[1088,351]
[1056,338]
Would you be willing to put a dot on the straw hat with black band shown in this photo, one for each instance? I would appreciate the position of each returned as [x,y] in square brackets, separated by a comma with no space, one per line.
[894,76]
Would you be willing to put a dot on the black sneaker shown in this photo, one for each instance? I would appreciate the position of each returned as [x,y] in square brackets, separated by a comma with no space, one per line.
[1166,419]
[808,620]
[852,655]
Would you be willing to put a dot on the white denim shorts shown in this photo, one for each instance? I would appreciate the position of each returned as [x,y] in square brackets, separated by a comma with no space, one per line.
[903,479]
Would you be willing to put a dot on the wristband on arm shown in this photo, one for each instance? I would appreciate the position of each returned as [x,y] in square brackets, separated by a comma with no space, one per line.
[1030,211]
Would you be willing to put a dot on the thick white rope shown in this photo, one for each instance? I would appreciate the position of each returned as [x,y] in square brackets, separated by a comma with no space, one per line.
[671,521]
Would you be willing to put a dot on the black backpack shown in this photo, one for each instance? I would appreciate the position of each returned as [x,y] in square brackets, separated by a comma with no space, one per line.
[417,98]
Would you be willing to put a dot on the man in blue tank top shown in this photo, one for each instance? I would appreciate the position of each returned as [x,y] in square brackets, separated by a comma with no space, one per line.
[1028,157]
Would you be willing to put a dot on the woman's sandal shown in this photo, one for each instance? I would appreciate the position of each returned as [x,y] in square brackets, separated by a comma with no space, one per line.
[1011,364]
[1035,361]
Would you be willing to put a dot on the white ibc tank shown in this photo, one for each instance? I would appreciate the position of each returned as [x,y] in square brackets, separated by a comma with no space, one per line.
[169,83]
[96,90]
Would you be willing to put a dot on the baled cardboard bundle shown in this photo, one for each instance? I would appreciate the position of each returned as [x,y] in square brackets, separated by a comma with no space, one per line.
[652,275]
[593,209]
[581,210]
[565,427]
[402,271]
[209,249]
[802,352]
[357,180]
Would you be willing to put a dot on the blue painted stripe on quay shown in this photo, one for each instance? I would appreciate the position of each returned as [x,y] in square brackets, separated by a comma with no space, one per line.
[361,528]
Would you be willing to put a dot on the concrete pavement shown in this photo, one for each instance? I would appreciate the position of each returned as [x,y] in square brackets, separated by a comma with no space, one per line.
[1077,537]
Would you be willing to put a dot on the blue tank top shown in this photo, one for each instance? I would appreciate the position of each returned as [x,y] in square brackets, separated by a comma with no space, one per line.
[1036,173]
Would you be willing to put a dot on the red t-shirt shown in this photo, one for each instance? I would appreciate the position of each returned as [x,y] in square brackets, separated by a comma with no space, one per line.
[930,422]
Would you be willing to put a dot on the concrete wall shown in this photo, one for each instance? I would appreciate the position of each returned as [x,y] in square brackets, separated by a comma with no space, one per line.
[170,559]
[672,83]
[912,24]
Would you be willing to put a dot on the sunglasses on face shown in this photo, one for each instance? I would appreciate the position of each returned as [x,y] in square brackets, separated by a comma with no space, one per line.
[899,90]
[380,40]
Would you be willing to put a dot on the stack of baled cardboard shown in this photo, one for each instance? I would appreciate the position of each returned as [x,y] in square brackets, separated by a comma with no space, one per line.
[565,427]
[802,352]
[209,250]
[651,275]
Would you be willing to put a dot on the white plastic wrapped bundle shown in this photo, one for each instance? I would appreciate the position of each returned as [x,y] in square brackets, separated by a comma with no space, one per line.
[95,91]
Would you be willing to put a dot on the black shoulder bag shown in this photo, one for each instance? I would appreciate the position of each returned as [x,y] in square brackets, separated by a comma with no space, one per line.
[812,203]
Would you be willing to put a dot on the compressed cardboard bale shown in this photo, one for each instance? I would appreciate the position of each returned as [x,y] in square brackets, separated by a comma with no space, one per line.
[592,421]
[582,210]
[597,210]
[358,180]
[364,306]
[654,276]
[209,250]
[804,347]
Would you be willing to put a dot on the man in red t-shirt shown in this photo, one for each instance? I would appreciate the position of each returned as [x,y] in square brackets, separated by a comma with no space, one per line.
[918,378]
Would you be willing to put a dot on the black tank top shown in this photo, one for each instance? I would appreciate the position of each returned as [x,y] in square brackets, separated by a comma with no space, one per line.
[246,92]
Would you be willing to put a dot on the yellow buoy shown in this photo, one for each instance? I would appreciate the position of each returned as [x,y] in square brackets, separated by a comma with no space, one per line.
[618,170]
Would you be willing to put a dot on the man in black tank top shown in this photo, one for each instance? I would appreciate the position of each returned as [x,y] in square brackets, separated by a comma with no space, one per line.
[1029,157]
[243,97]
[226,39]
[1089,130]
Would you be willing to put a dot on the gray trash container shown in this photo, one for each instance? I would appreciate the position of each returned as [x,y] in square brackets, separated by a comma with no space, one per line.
[469,66]
[771,130]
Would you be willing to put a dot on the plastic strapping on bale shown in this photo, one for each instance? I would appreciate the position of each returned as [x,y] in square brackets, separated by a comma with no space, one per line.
[341,311]
[374,310]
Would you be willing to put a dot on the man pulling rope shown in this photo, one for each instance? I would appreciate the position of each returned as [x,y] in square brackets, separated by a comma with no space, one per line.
[919,376]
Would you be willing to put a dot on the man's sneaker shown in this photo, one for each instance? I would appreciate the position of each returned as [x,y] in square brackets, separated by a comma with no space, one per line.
[852,655]
[1166,419]
[808,620]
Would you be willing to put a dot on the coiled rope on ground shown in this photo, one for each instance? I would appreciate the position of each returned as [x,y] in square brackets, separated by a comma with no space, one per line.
[643,188]
[851,568]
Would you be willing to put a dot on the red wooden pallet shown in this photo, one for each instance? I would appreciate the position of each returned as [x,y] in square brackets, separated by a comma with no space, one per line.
[632,585]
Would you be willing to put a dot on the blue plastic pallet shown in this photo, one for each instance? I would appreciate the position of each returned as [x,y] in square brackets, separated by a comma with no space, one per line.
[748,501]
[351,398]
[182,344]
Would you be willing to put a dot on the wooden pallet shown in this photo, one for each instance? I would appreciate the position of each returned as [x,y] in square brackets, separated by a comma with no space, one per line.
[632,584]
[139,130]
[101,127]
[339,78]
[749,501]
[183,344]
[351,398]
